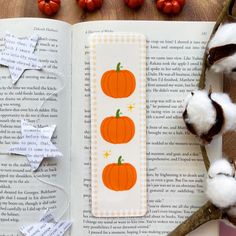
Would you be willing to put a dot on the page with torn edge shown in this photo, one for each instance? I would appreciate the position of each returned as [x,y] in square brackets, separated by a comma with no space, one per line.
[36,144]
[47,226]
[19,55]
[23,197]
[118,124]
[175,168]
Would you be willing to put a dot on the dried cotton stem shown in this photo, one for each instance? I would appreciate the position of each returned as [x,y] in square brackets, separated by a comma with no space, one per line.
[206,213]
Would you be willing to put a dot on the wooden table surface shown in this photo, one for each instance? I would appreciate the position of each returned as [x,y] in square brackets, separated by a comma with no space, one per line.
[202,10]
[194,10]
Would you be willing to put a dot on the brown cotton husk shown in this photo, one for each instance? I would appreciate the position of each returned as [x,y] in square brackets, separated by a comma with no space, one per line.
[220,52]
[206,213]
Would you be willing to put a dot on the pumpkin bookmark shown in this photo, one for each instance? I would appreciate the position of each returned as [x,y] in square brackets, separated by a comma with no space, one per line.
[118,133]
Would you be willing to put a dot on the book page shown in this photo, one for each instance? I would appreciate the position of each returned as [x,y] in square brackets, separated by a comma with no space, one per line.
[176,173]
[24,198]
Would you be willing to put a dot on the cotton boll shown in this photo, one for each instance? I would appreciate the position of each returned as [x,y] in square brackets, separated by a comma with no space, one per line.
[221,184]
[221,166]
[222,49]
[203,116]
[208,115]
[200,112]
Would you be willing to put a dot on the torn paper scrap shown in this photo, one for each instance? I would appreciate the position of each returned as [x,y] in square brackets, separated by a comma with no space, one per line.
[19,55]
[46,227]
[35,144]
[48,217]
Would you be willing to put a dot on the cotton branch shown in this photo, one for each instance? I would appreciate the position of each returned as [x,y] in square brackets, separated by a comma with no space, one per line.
[208,211]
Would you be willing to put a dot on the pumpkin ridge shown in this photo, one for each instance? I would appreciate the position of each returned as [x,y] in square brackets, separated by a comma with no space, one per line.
[43,7]
[116,139]
[53,7]
[130,178]
[102,128]
[111,166]
[107,129]
[124,137]
[121,79]
[118,180]
[133,84]
[126,85]
[128,134]
[133,175]
[104,81]
[104,175]
[108,84]
[115,175]
[117,89]
[127,178]
[131,124]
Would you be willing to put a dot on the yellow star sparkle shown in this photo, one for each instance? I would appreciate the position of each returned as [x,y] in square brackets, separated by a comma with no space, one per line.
[107,154]
[131,107]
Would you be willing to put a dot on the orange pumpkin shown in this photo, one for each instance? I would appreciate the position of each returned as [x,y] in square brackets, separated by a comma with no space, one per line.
[117,129]
[118,83]
[49,7]
[119,176]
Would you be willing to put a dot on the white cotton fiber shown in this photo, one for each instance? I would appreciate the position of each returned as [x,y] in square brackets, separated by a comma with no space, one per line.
[229,110]
[221,184]
[225,65]
[221,191]
[223,36]
[220,166]
[201,112]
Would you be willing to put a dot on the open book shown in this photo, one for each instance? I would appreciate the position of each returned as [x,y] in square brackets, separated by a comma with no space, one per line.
[175,168]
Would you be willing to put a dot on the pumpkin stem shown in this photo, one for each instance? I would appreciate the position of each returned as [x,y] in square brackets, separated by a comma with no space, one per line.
[118,67]
[120,161]
[118,113]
